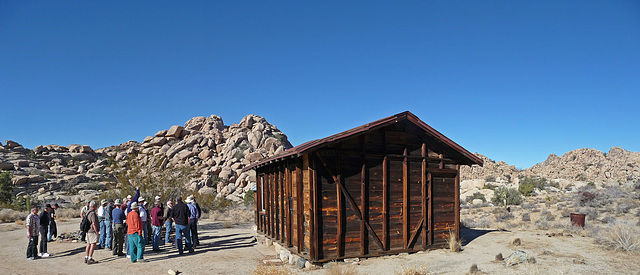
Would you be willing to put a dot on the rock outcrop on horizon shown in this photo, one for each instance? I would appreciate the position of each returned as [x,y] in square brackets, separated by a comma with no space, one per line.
[217,154]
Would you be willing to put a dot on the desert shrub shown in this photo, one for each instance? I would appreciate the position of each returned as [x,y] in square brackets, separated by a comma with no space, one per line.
[528,206]
[10,215]
[502,215]
[622,208]
[6,188]
[565,213]
[490,186]
[526,217]
[271,270]
[591,212]
[414,270]
[509,196]
[621,236]
[490,179]
[476,195]
[547,215]
[95,186]
[609,219]
[248,197]
[542,224]
[67,213]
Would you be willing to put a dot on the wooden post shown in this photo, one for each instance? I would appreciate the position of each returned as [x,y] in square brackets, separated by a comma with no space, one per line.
[314,181]
[457,202]
[299,209]
[424,196]
[340,204]
[287,184]
[405,201]
[282,202]
[385,203]
[364,207]
[430,206]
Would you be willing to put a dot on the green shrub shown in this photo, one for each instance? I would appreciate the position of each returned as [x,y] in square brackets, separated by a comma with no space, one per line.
[529,184]
[248,197]
[509,196]
[6,187]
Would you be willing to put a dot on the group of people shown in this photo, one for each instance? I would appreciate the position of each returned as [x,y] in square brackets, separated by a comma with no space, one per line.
[128,225]
[42,225]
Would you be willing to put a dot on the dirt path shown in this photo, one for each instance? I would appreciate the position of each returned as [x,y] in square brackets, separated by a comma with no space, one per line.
[222,251]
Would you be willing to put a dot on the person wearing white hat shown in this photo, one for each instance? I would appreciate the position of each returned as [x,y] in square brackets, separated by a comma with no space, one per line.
[193,221]
[143,216]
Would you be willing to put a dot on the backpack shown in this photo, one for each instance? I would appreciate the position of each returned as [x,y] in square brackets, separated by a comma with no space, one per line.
[85,224]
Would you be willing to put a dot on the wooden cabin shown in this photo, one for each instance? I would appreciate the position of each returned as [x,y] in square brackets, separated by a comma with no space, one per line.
[387,187]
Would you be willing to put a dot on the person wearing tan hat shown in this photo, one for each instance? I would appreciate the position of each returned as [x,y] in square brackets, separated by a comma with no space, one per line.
[92,234]
[101,219]
[134,234]
[118,228]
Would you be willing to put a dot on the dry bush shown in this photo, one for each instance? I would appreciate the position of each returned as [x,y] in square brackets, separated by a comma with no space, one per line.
[547,215]
[341,270]
[67,213]
[477,223]
[227,224]
[455,245]
[526,217]
[271,270]
[19,222]
[502,215]
[414,270]
[622,236]
[542,224]
[10,215]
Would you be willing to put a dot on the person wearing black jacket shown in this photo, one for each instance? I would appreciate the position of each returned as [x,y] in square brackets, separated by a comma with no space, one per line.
[45,217]
[180,216]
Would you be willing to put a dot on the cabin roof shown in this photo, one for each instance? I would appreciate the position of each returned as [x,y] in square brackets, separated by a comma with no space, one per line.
[462,154]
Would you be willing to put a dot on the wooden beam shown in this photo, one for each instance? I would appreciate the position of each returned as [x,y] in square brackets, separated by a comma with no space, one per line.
[340,204]
[430,206]
[385,203]
[283,201]
[352,203]
[287,184]
[316,211]
[424,196]
[457,202]
[364,206]
[299,203]
[415,231]
[405,201]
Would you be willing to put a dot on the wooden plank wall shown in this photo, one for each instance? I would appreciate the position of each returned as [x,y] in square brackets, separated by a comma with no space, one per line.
[383,192]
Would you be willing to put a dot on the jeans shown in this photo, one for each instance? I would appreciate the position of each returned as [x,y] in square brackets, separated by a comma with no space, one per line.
[43,238]
[118,238]
[103,233]
[183,230]
[32,248]
[108,232]
[193,225]
[157,231]
[145,232]
[167,224]
[136,245]
[52,227]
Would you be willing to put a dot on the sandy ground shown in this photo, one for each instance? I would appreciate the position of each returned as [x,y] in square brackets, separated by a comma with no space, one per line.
[234,251]
[222,251]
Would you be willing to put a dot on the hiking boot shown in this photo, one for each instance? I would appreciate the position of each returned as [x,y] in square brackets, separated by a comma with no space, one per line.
[92,261]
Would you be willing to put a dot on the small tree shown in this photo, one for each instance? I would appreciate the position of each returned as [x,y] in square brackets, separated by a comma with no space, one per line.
[6,188]
[503,196]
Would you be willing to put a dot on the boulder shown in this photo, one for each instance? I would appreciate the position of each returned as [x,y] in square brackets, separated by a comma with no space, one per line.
[175,131]
[161,133]
[19,180]
[10,144]
[205,154]
[22,163]
[35,178]
[6,166]
[40,149]
[254,157]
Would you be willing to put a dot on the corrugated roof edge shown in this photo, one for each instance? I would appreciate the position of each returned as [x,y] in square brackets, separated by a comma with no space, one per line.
[316,144]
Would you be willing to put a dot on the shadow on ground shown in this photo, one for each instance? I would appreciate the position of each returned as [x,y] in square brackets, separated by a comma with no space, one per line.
[467,235]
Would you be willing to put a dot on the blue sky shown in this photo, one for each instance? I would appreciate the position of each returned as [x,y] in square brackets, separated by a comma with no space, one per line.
[512,80]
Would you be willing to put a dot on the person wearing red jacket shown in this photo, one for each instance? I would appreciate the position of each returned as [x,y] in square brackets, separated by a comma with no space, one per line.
[134,234]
